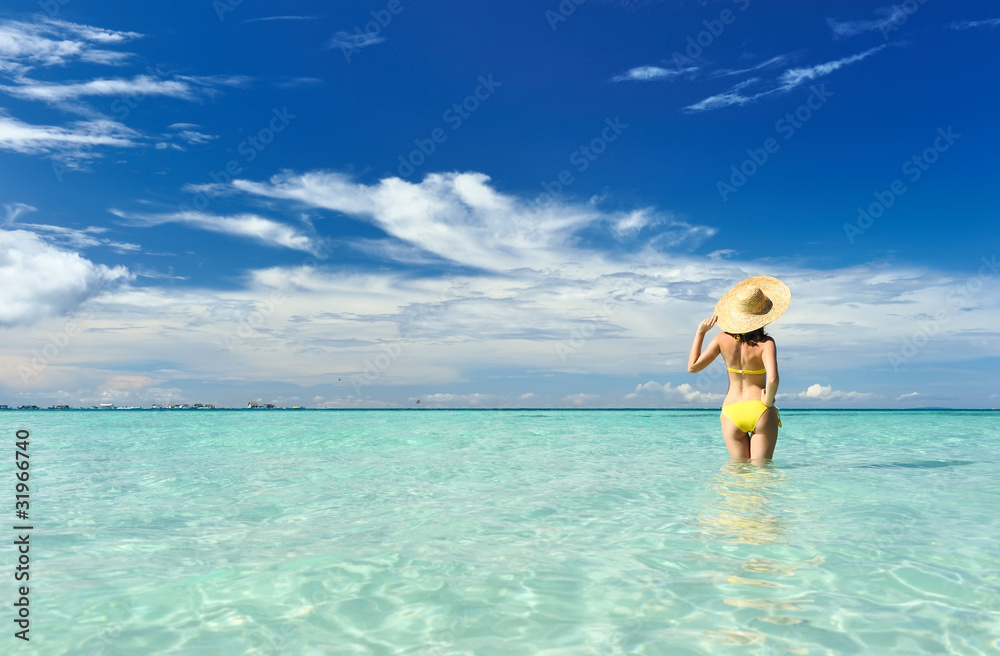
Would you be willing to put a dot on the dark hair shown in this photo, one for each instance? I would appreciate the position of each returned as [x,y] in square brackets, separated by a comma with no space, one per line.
[752,337]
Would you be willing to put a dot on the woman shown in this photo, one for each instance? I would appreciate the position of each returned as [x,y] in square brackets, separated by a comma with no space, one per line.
[749,419]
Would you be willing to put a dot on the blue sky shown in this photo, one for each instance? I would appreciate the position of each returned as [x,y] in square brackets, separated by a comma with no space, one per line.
[334,204]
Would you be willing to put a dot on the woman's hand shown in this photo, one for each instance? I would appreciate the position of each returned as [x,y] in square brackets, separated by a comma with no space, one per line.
[763,397]
[707,324]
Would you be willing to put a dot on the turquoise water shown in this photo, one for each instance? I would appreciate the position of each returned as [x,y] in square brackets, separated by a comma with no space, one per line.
[507,532]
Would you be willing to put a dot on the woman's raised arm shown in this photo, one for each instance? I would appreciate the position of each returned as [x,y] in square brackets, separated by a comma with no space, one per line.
[698,360]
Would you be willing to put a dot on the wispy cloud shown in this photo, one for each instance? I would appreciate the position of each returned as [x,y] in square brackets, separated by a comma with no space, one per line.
[887,17]
[788,80]
[189,133]
[727,98]
[62,236]
[51,43]
[192,136]
[14,210]
[263,230]
[90,33]
[70,237]
[71,145]
[212,81]
[793,77]
[634,222]
[773,62]
[56,43]
[280,18]
[346,40]
[298,82]
[652,74]
[140,85]
[970,24]
[721,254]
[459,217]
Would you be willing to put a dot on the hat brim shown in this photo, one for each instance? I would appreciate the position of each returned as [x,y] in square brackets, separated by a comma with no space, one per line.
[733,319]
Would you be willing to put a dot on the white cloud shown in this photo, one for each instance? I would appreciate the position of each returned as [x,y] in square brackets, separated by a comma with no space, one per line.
[819,392]
[889,16]
[581,399]
[279,18]
[56,43]
[38,280]
[727,98]
[346,40]
[474,399]
[258,228]
[788,80]
[67,237]
[394,250]
[639,308]
[72,145]
[209,82]
[678,234]
[52,43]
[911,395]
[969,24]
[62,236]
[459,217]
[652,73]
[793,77]
[140,85]
[195,137]
[773,62]
[296,82]
[633,222]
[531,294]
[451,329]
[90,33]
[683,392]
[721,254]
[123,247]
[14,210]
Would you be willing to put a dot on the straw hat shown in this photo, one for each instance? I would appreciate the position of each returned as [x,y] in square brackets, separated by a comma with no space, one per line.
[752,304]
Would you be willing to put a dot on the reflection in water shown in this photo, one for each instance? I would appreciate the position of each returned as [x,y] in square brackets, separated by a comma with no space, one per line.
[743,514]
[751,509]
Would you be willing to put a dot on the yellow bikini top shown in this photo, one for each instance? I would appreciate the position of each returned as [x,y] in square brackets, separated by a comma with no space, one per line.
[746,371]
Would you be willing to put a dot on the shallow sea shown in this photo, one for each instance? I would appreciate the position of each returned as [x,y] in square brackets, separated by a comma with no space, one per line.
[505,532]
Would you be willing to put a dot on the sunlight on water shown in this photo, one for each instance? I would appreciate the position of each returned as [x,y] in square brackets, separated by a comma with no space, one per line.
[512,532]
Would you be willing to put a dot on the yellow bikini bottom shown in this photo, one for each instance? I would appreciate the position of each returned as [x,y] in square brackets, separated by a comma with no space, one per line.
[746,414]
